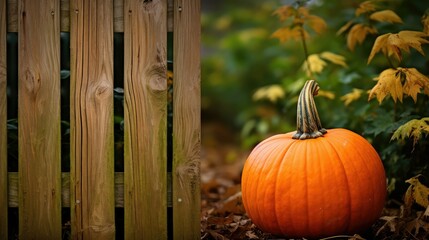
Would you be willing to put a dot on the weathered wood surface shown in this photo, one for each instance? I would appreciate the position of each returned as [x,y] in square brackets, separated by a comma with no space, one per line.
[91,118]
[12,194]
[145,51]
[3,128]
[186,121]
[118,14]
[39,119]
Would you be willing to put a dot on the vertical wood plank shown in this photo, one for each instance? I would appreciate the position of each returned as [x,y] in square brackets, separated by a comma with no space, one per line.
[12,15]
[91,118]
[145,115]
[3,120]
[186,120]
[39,119]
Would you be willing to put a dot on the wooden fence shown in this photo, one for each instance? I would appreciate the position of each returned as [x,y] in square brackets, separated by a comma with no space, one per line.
[92,190]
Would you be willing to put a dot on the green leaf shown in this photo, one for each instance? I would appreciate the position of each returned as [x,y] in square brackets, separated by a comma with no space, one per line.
[412,129]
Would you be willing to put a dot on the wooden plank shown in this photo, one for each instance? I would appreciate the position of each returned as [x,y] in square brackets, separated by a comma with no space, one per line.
[145,114]
[12,194]
[91,118]
[3,122]
[39,120]
[170,19]
[118,14]
[12,15]
[186,120]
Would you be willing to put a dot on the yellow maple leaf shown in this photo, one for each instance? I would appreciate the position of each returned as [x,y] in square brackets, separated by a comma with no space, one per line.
[334,58]
[285,12]
[385,16]
[316,23]
[399,82]
[391,44]
[414,83]
[358,33]
[272,92]
[425,22]
[367,6]
[352,96]
[316,64]
[326,94]
[388,83]
[419,191]
[286,33]
[345,27]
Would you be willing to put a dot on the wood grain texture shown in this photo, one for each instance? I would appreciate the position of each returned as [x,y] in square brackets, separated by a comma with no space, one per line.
[3,121]
[145,116]
[91,118]
[186,120]
[13,189]
[39,120]
[12,15]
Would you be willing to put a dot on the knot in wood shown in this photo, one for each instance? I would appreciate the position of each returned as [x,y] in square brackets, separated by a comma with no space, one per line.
[104,89]
[32,81]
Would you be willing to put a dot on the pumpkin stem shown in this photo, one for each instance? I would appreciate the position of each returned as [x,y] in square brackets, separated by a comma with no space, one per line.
[308,121]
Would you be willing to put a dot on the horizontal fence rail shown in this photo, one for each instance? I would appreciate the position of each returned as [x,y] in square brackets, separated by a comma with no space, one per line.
[159,187]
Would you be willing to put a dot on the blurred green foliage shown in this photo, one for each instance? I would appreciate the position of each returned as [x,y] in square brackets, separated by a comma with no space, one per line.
[240,56]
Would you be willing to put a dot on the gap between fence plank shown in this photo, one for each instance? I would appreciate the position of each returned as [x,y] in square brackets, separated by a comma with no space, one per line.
[3,126]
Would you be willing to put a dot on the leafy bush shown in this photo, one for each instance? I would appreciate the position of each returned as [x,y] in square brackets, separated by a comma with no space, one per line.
[259,77]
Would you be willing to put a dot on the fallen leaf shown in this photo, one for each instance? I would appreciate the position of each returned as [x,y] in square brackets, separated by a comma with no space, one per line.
[420,191]
[426,213]
[251,235]
[417,224]
[391,223]
[408,203]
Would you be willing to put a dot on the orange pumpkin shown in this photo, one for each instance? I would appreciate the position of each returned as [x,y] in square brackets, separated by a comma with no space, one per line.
[314,182]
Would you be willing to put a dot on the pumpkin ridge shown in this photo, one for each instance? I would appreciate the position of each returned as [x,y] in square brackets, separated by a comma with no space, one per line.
[367,154]
[279,171]
[349,205]
[264,151]
[365,172]
[276,157]
[307,207]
